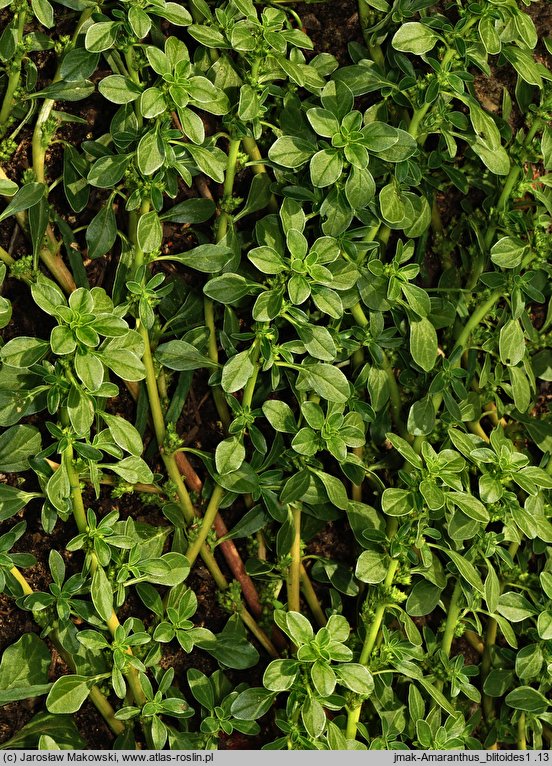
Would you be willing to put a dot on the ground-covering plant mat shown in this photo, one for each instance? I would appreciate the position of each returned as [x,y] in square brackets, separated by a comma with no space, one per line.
[275,452]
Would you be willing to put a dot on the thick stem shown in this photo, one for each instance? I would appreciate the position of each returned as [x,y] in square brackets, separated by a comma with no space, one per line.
[207,522]
[509,184]
[15,75]
[311,598]
[218,395]
[252,150]
[6,257]
[79,511]
[259,634]
[521,733]
[221,228]
[353,716]
[394,393]
[79,514]
[294,569]
[490,641]
[453,614]
[96,697]
[376,54]
[49,253]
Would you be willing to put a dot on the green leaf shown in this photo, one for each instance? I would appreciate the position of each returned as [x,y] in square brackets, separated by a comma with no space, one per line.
[229,455]
[414,37]
[335,490]
[355,677]
[313,717]
[102,598]
[252,704]
[173,12]
[511,343]
[78,64]
[521,388]
[528,699]
[108,171]
[180,355]
[327,381]
[7,188]
[508,252]
[119,89]
[236,372]
[61,727]
[391,204]
[421,418]
[492,589]
[402,446]
[12,500]
[139,21]
[17,445]
[397,502]
[437,695]
[280,675]
[466,569]
[149,232]
[212,162]
[206,258]
[423,343]
[514,607]
[27,196]
[150,154]
[469,505]
[195,210]
[24,669]
[124,434]
[325,168]
[494,157]
[291,152]
[258,196]
[23,352]
[280,416]
[68,694]
[251,522]
[101,36]
[372,567]
[423,598]
[101,232]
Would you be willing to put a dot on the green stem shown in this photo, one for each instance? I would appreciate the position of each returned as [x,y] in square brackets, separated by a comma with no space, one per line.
[15,76]
[39,140]
[294,569]
[259,634]
[49,253]
[225,218]
[211,511]
[6,257]
[394,393]
[252,151]
[521,733]
[311,598]
[453,613]
[169,460]
[79,514]
[490,641]
[353,715]
[375,51]
[221,228]
[509,184]
[79,511]
[212,350]
[96,697]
